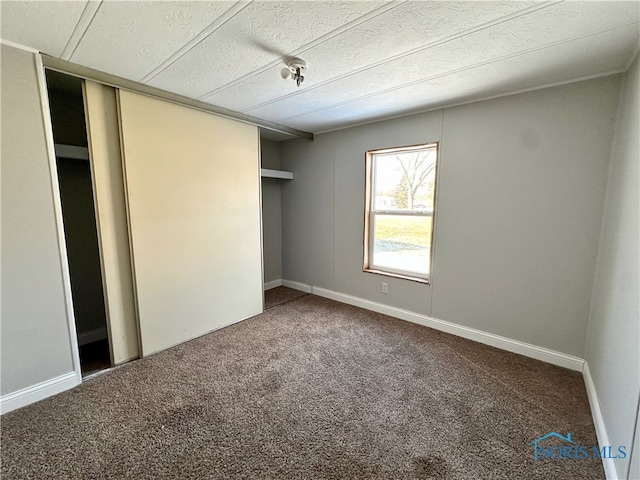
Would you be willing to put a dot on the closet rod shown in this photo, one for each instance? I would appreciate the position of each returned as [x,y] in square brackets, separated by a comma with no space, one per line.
[76,70]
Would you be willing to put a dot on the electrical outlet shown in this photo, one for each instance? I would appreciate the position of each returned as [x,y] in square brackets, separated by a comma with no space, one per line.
[385,287]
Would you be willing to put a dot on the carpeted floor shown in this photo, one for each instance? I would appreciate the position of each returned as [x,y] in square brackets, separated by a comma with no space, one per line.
[279,295]
[311,389]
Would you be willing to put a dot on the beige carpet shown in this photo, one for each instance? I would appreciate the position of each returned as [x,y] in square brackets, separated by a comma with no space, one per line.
[311,389]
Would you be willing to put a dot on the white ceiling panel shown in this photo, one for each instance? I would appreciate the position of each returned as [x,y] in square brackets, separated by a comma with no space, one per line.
[406,27]
[45,26]
[367,59]
[546,66]
[261,33]
[544,27]
[127,34]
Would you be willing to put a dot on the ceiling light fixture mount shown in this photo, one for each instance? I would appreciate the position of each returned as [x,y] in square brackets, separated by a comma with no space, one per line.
[295,68]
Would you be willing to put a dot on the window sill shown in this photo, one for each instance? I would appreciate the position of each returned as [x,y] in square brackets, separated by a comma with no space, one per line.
[426,281]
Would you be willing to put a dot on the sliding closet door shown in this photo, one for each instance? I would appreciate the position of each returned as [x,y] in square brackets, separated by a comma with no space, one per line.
[101,114]
[193,188]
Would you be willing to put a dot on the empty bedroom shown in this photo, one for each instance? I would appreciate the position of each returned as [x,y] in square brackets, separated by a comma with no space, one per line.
[320,239]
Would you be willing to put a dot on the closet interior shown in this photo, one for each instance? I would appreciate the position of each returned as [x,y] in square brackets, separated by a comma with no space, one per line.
[273,179]
[79,220]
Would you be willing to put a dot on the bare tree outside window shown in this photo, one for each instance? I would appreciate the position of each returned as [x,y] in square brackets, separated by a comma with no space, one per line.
[416,168]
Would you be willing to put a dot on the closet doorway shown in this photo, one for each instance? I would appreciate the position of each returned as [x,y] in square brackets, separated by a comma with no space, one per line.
[79,219]
[173,226]
[89,169]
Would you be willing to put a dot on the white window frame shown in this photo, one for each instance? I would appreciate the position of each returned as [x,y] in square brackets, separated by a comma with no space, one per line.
[371,213]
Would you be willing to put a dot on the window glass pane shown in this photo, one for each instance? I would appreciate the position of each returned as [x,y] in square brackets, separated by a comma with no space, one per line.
[404,180]
[402,243]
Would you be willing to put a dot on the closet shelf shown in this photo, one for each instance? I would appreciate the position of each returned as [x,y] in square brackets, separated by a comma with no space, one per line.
[282,174]
[72,151]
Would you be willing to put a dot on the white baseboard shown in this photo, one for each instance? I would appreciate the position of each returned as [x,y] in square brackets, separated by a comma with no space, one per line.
[272,284]
[504,343]
[609,464]
[38,392]
[92,336]
[303,287]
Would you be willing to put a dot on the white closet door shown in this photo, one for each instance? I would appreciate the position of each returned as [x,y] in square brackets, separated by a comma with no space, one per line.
[101,112]
[193,188]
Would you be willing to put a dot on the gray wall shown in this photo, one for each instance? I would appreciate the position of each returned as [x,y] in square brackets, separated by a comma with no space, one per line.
[35,334]
[614,331]
[271,212]
[520,196]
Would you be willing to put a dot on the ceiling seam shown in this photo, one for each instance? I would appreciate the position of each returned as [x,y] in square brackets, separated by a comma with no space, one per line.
[79,31]
[459,70]
[435,43]
[445,105]
[318,41]
[199,38]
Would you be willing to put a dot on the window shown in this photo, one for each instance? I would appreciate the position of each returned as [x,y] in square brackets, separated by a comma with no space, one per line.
[400,203]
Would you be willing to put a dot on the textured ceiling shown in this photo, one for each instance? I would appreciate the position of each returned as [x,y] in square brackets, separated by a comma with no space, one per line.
[367,59]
